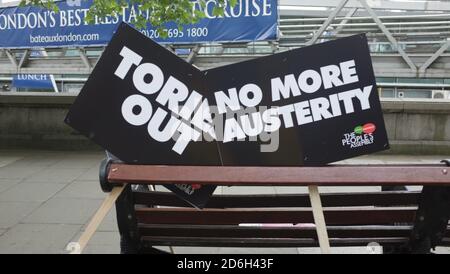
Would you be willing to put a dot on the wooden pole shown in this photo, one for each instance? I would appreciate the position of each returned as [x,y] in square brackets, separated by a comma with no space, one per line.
[319,219]
[108,203]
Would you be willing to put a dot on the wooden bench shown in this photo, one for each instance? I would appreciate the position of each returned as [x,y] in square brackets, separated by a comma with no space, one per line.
[400,221]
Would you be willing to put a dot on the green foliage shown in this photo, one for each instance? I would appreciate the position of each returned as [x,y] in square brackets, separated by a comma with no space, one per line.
[159,11]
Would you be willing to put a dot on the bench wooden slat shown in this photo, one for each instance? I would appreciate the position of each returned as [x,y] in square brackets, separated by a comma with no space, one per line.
[295,176]
[385,198]
[351,216]
[266,242]
[272,232]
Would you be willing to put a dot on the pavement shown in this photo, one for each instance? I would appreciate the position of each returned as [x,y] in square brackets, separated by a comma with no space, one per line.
[48,197]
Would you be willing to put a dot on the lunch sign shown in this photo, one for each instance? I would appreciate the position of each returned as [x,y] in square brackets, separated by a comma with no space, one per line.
[308,106]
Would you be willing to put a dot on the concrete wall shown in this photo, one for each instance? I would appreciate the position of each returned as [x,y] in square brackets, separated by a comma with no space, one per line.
[418,127]
[30,120]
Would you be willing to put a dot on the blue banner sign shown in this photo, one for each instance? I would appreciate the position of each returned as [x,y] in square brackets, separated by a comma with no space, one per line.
[33,81]
[28,27]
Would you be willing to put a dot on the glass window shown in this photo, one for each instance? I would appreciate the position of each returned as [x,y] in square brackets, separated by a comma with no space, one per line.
[420,80]
[387,93]
[413,93]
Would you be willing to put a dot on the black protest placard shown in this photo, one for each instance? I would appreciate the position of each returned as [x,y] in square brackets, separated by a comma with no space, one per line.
[321,102]
[124,107]
[308,106]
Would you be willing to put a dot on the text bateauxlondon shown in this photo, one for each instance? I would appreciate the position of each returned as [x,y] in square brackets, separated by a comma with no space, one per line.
[76,16]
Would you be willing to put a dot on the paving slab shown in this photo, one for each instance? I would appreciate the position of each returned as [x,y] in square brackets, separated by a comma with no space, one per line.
[218,190]
[7,160]
[37,161]
[82,190]
[64,211]
[165,248]
[291,190]
[236,190]
[230,250]
[91,174]
[13,212]
[6,184]
[193,250]
[161,188]
[344,189]
[109,224]
[56,175]
[13,172]
[102,243]
[37,238]
[35,192]
[76,162]
[343,250]
[442,250]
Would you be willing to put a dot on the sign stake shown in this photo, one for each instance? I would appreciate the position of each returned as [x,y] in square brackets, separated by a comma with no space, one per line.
[108,203]
[319,219]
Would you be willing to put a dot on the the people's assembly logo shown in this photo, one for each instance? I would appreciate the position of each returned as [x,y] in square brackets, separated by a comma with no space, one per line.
[361,136]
